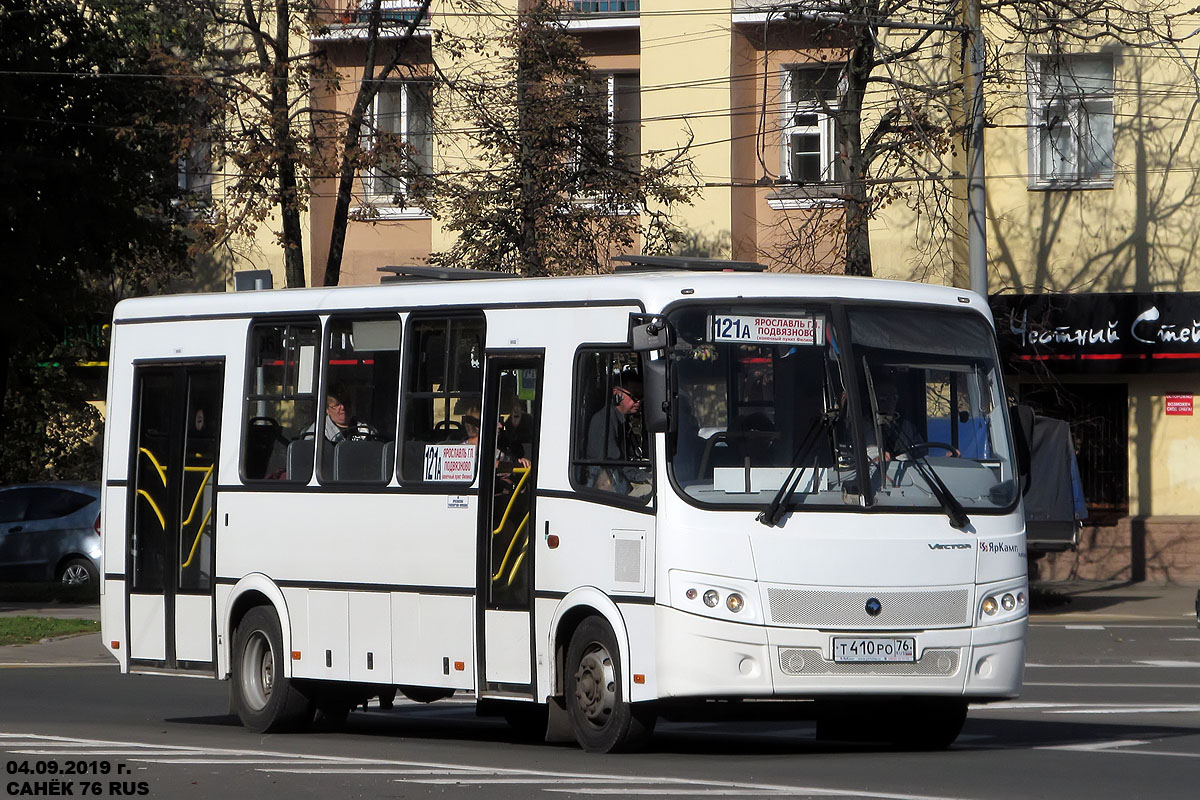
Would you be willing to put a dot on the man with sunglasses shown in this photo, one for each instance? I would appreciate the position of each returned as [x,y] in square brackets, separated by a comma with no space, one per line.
[610,439]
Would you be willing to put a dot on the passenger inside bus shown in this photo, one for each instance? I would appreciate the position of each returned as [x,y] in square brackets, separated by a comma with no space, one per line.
[506,457]
[340,424]
[517,434]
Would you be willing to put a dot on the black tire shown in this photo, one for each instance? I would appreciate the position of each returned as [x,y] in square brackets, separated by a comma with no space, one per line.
[603,722]
[265,700]
[78,572]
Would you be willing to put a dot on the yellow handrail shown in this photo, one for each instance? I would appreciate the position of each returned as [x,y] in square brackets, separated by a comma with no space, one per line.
[196,543]
[208,471]
[162,471]
[524,472]
[512,576]
[507,553]
[154,507]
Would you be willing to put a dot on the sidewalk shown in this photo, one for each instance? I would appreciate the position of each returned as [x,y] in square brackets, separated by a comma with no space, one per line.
[85,650]
[1098,602]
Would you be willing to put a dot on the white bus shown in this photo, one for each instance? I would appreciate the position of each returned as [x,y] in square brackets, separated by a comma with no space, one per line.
[688,488]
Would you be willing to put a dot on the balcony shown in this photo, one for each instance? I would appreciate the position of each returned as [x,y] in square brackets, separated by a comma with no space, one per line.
[602,14]
[356,12]
[604,6]
[347,19]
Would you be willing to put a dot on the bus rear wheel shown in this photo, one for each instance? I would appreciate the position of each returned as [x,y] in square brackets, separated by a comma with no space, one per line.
[264,699]
[602,720]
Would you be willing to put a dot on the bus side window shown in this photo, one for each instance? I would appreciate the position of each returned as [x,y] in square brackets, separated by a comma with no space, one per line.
[281,401]
[362,384]
[611,451]
[443,390]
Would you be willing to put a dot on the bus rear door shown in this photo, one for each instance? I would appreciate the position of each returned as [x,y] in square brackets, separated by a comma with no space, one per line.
[172,516]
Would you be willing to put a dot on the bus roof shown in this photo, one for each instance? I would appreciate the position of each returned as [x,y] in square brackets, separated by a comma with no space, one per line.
[654,290]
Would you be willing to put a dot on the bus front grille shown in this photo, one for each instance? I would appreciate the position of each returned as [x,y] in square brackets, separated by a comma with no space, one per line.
[818,608]
[807,661]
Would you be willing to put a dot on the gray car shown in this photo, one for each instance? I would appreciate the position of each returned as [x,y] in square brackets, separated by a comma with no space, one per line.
[50,532]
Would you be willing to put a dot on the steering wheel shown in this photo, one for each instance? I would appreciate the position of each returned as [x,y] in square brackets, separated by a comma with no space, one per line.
[450,425]
[918,449]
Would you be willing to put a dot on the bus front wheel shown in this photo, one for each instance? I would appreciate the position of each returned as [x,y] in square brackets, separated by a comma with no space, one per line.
[602,720]
[265,700]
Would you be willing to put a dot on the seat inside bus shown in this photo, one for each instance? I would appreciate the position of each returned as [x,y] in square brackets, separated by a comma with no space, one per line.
[363,460]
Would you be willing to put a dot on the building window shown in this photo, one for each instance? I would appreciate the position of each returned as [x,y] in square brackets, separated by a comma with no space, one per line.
[612,119]
[1071,120]
[809,135]
[399,139]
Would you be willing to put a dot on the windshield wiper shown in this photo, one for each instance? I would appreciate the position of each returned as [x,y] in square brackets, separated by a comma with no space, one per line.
[954,509]
[778,506]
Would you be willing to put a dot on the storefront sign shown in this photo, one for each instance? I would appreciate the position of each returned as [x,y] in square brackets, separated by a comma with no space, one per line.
[1100,332]
[1178,405]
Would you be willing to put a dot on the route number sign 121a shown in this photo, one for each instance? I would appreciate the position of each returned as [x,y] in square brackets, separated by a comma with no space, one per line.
[766,329]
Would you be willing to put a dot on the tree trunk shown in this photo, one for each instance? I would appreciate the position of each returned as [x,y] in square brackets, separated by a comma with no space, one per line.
[858,162]
[289,199]
[352,141]
[532,264]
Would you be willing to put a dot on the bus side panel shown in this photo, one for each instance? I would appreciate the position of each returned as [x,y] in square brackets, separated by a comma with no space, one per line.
[433,640]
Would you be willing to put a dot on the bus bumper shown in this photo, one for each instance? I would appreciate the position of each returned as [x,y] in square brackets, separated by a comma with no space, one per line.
[701,657]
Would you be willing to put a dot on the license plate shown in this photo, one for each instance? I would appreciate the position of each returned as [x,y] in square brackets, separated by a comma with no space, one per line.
[875,649]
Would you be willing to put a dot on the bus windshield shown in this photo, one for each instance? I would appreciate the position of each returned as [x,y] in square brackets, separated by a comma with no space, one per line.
[898,407]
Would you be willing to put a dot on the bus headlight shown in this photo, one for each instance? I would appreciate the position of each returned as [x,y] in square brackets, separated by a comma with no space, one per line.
[1002,603]
[714,596]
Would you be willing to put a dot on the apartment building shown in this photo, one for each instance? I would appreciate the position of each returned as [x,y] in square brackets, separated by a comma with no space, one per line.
[746,94]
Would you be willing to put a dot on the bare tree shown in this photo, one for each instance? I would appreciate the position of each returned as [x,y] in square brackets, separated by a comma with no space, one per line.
[899,111]
[554,183]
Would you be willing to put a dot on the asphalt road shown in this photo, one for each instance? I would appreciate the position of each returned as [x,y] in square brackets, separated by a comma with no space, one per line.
[1111,709]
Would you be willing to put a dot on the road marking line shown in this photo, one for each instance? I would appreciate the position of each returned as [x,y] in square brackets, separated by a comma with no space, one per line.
[1095,746]
[363,771]
[469,781]
[464,774]
[1091,708]
[1084,627]
[1131,710]
[1113,685]
[1138,665]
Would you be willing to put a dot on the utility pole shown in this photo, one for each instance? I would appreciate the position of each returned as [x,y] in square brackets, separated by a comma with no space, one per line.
[976,189]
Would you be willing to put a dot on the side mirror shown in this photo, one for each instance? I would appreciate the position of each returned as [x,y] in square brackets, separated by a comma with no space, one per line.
[647,335]
[657,405]
[1022,422]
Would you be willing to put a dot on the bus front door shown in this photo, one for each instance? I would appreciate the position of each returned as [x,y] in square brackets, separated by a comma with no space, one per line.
[508,479]
[170,554]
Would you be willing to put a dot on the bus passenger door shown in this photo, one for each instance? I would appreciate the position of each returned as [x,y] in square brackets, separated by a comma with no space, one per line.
[507,518]
[171,553]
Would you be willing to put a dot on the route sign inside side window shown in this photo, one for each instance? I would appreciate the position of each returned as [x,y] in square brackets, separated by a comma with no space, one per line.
[767,329]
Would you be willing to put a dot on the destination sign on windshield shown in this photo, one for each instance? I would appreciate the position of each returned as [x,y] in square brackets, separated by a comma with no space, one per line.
[766,329]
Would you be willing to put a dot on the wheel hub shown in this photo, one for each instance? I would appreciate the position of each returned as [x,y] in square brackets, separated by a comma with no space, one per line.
[595,686]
